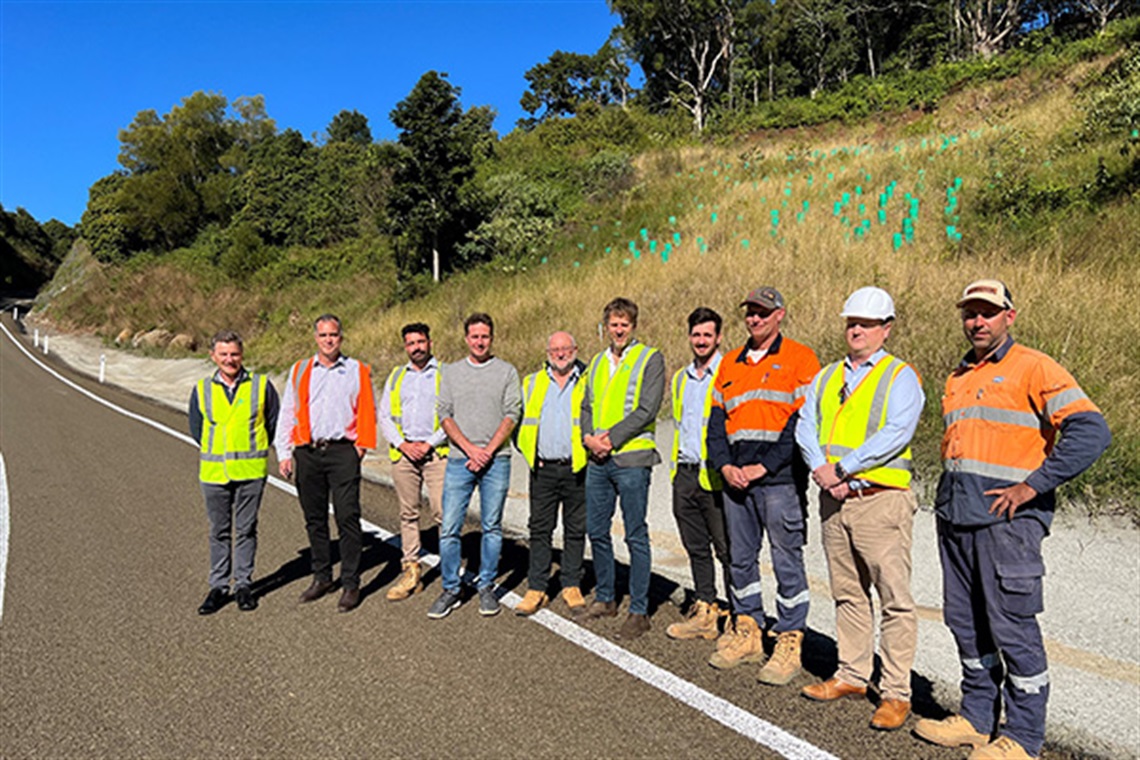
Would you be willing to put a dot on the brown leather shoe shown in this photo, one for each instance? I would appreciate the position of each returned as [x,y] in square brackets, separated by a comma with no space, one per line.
[832,689]
[349,599]
[634,626]
[315,591]
[890,715]
[600,610]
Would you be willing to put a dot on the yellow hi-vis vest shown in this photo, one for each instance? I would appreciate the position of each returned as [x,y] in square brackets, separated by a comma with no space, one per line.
[709,478]
[394,383]
[614,396]
[235,443]
[843,427]
[535,387]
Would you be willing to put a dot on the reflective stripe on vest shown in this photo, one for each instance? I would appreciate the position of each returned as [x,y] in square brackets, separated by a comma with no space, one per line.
[844,427]
[614,396]
[394,385]
[535,387]
[235,443]
[709,478]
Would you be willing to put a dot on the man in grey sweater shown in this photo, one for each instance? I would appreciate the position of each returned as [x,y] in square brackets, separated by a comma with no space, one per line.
[479,405]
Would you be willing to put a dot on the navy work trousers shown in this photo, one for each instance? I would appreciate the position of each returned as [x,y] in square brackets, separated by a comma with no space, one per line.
[991,585]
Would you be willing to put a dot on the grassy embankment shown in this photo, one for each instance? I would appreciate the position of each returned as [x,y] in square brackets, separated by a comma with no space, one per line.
[1004,147]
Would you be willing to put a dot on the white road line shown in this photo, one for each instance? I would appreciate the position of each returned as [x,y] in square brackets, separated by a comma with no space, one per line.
[4,529]
[718,709]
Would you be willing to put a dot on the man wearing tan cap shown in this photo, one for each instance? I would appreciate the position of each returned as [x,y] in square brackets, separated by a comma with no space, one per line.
[859,416]
[1002,461]
[757,395]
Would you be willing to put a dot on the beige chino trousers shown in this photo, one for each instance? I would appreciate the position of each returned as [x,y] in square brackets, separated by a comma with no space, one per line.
[867,540]
[409,479]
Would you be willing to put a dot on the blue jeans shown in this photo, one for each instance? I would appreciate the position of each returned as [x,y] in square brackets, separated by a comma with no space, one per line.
[458,485]
[604,484]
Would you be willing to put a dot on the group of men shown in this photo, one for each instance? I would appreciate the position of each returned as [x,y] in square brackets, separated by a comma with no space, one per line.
[750,427]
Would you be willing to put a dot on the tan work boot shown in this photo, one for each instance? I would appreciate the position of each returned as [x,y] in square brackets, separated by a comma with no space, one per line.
[701,623]
[745,646]
[1001,748]
[531,603]
[572,595]
[784,663]
[954,731]
[409,582]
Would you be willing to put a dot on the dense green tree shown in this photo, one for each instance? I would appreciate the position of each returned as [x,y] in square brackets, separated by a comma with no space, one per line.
[441,146]
[351,127]
[29,251]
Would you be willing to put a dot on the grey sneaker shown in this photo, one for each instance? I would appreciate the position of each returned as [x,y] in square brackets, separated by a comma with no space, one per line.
[443,606]
[488,602]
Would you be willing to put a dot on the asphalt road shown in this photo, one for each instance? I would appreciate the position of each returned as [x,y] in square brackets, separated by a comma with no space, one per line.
[103,655]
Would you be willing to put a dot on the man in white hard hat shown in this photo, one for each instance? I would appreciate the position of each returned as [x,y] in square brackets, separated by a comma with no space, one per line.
[854,432]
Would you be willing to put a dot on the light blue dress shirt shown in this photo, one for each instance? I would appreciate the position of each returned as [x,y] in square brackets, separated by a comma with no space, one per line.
[555,426]
[692,409]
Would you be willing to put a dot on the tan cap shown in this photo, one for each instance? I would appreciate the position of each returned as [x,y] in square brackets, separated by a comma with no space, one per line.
[990,291]
[766,297]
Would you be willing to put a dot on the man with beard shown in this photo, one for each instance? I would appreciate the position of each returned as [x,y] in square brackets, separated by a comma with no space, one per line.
[697,504]
[417,447]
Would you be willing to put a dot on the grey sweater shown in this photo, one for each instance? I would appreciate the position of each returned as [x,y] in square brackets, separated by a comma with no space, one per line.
[479,397]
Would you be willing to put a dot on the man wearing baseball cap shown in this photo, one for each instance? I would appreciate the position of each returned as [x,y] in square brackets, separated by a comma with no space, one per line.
[757,394]
[859,416]
[1002,461]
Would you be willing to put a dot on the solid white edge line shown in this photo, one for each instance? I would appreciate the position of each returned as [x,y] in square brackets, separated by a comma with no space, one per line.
[4,523]
[716,708]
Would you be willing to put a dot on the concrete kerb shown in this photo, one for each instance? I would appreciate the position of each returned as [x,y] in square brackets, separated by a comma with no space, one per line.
[1092,589]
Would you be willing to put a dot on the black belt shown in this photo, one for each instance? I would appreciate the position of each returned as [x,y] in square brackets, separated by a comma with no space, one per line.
[688,466]
[324,443]
[564,462]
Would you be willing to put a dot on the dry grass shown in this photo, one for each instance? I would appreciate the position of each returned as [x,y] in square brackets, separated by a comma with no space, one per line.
[1073,281]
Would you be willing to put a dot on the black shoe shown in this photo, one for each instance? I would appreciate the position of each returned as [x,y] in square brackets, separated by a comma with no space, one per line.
[215,600]
[246,601]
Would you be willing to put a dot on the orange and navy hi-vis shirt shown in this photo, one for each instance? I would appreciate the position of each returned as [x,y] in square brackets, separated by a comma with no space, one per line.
[1002,416]
[752,420]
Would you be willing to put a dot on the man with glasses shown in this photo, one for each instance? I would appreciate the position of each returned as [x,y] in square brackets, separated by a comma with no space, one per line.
[550,439]
[757,395]
[859,416]
[329,416]
[1002,462]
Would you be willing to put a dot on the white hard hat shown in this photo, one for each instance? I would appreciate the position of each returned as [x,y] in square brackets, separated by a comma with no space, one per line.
[869,303]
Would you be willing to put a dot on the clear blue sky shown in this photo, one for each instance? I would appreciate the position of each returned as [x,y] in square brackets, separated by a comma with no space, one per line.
[72,74]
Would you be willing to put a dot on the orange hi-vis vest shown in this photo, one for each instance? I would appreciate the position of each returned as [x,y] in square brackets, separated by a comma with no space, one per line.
[363,428]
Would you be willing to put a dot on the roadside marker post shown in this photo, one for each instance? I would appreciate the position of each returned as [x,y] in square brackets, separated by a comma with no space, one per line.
[36,338]
[45,345]
[102,368]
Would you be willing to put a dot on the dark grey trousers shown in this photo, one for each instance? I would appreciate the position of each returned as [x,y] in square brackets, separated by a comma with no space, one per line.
[232,511]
